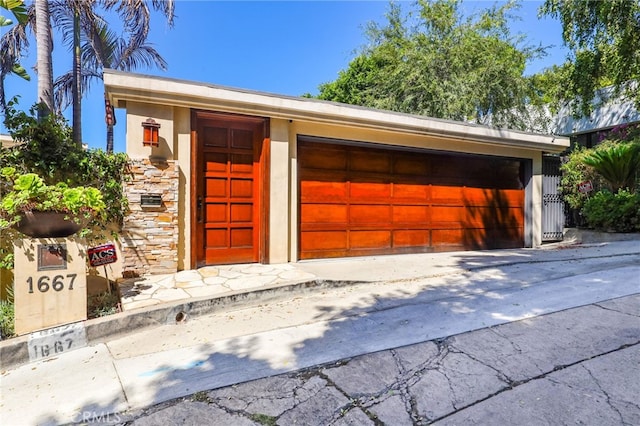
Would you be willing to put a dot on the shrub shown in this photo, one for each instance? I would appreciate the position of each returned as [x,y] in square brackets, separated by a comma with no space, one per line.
[617,162]
[102,304]
[30,193]
[7,316]
[46,148]
[619,212]
[574,172]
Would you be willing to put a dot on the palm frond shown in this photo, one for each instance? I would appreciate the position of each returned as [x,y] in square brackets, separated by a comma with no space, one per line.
[618,163]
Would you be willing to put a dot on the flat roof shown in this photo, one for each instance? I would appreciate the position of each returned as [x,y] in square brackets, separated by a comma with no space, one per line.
[124,86]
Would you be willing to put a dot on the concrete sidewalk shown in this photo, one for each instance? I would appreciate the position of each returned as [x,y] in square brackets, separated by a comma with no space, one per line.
[406,300]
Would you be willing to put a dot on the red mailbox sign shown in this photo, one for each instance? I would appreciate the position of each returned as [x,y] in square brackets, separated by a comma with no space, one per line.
[102,255]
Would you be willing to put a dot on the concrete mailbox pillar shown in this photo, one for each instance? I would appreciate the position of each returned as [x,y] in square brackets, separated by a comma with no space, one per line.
[50,283]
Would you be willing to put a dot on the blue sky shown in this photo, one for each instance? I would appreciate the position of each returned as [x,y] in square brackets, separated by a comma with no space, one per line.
[287,48]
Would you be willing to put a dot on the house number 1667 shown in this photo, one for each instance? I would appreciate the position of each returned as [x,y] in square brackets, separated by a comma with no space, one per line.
[46,282]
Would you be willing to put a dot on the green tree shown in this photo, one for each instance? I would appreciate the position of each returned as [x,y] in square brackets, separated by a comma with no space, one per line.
[604,41]
[435,62]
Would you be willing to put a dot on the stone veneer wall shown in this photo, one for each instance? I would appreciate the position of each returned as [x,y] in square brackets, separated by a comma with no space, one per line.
[150,234]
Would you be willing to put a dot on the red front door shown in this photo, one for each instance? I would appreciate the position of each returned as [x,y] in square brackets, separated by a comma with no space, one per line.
[228,188]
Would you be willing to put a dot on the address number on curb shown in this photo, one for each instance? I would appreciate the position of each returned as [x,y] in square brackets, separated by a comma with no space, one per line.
[55,283]
[55,341]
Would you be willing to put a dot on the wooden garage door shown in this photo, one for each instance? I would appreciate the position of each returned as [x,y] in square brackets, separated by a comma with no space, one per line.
[228,189]
[357,201]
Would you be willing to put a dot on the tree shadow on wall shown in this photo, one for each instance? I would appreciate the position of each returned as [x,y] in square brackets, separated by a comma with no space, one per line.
[494,221]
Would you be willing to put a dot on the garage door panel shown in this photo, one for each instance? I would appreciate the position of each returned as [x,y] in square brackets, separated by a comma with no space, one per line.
[412,238]
[370,161]
[412,214]
[502,238]
[372,239]
[411,165]
[400,202]
[370,214]
[324,241]
[448,237]
[367,190]
[493,197]
[315,156]
[316,190]
[490,217]
[447,167]
[447,214]
[325,214]
[415,191]
[443,195]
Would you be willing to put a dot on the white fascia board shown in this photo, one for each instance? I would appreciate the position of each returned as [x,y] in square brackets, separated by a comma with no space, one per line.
[121,86]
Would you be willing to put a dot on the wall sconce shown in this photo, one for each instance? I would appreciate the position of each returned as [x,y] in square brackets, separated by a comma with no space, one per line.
[150,137]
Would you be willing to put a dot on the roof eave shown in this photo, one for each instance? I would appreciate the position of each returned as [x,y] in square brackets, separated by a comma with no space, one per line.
[134,87]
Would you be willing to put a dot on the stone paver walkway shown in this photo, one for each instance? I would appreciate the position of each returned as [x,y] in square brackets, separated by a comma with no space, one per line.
[210,281]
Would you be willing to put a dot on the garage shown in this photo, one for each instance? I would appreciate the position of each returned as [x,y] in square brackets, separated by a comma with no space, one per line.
[358,200]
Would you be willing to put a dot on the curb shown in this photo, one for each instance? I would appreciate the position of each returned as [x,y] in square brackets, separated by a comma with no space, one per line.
[15,351]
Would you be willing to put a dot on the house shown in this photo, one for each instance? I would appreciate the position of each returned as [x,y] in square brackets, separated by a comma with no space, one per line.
[240,176]
[609,110]
[6,141]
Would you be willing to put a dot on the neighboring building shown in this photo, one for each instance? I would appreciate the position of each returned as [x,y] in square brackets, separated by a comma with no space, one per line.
[6,141]
[608,113]
[240,176]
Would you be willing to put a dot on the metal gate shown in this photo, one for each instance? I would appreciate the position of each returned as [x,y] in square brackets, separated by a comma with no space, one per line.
[552,205]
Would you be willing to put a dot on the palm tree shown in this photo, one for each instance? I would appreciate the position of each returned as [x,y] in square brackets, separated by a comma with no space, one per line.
[617,162]
[102,48]
[45,67]
[9,61]
[12,45]
[83,30]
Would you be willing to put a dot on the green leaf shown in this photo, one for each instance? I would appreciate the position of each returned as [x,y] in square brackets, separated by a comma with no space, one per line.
[20,72]
[18,9]
[5,22]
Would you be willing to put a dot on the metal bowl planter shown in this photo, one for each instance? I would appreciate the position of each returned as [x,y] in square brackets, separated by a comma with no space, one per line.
[37,224]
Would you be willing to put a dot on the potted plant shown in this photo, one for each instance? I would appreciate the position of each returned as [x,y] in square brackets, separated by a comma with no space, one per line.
[40,210]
